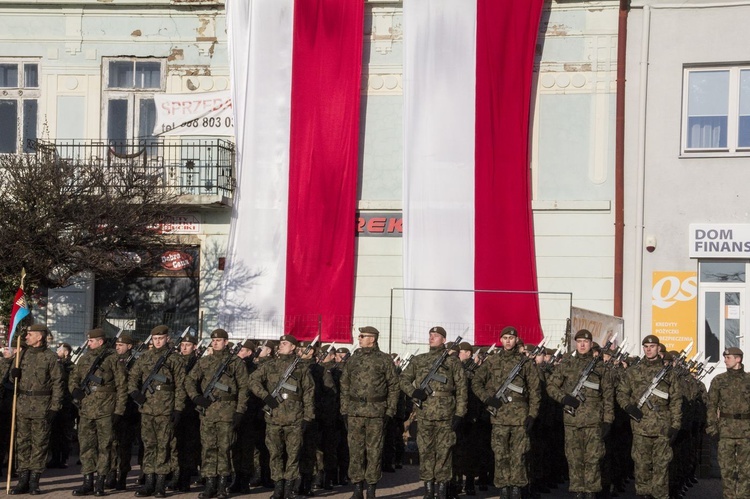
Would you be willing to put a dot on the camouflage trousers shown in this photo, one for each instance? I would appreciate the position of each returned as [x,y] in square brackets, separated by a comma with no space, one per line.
[511,446]
[734,461]
[584,450]
[157,435]
[435,440]
[32,443]
[217,438]
[366,437]
[95,441]
[651,456]
[284,441]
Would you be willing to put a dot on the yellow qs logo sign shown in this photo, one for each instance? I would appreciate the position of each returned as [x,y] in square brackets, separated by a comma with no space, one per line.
[670,289]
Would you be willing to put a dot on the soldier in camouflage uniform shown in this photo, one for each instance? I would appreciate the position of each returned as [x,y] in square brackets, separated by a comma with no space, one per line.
[258,423]
[656,428]
[160,410]
[512,422]
[440,415]
[729,419]
[40,392]
[369,394]
[221,409]
[101,401]
[289,417]
[587,419]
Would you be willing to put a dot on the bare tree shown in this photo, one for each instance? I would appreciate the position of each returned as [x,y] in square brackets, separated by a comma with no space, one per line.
[59,218]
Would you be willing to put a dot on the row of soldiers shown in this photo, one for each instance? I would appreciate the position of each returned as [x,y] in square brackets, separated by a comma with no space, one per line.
[301,415]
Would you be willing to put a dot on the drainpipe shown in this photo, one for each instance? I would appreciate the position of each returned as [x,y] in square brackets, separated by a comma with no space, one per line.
[622,35]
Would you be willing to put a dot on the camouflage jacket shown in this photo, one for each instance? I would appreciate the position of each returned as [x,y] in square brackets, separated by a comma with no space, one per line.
[40,388]
[728,403]
[234,377]
[108,397]
[667,412]
[493,373]
[298,404]
[598,391]
[369,384]
[326,392]
[167,397]
[447,400]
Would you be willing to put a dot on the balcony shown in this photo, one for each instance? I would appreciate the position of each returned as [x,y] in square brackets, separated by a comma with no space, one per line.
[198,171]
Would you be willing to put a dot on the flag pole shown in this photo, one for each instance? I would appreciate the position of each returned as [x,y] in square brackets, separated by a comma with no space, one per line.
[15,400]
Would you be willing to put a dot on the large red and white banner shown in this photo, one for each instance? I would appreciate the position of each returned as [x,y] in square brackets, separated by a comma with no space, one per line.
[467,201]
[296,68]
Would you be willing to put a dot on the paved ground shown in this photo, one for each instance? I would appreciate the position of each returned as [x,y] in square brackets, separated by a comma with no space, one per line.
[400,485]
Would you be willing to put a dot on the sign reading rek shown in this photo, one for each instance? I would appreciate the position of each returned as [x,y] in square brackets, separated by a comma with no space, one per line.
[380,224]
[719,240]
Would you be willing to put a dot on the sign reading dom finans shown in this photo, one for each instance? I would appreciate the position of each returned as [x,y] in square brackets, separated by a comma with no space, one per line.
[719,240]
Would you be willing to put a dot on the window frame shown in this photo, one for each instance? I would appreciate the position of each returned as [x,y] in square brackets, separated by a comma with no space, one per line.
[21,94]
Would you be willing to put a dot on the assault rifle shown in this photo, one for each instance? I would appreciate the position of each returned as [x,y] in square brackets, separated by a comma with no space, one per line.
[483,355]
[155,375]
[79,351]
[508,383]
[215,384]
[181,337]
[323,354]
[616,355]
[136,352]
[434,375]
[652,390]
[283,381]
[85,387]
[583,380]
[405,362]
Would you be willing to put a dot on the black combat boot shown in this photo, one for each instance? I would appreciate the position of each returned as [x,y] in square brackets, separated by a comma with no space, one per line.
[358,490]
[173,479]
[34,483]
[515,493]
[318,480]
[209,490]
[147,489]
[160,487]
[122,478]
[22,487]
[99,486]
[111,481]
[442,490]
[236,484]
[183,485]
[88,486]
[328,479]
[290,489]
[429,489]
[278,489]
[505,493]
[469,486]
[371,491]
[579,495]
[305,485]
[221,487]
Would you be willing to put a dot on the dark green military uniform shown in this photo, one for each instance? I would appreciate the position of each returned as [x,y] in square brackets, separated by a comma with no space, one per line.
[651,449]
[285,421]
[586,423]
[96,408]
[729,418]
[369,395]
[63,426]
[440,413]
[187,432]
[512,421]
[126,429]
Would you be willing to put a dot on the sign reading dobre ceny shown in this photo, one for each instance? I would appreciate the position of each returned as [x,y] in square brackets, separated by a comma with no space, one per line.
[674,309]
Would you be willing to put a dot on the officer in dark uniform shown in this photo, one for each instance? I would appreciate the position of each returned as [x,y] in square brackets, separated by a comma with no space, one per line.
[187,431]
[63,427]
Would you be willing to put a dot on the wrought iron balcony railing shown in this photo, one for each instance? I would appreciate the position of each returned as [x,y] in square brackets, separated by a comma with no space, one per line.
[187,167]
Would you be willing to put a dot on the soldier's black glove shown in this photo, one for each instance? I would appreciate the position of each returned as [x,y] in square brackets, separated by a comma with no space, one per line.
[15,373]
[528,424]
[456,422]
[493,402]
[634,412]
[271,402]
[419,394]
[138,397]
[237,420]
[78,394]
[571,401]
[50,415]
[202,401]
[605,428]
[175,417]
[672,435]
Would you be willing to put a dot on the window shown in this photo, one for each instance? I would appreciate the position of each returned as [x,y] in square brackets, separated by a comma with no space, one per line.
[19,119]
[716,110]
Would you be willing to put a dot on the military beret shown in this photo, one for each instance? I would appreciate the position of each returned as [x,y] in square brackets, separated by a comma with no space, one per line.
[342,350]
[465,345]
[668,356]
[369,330]
[549,351]
[596,346]
[305,344]
[733,351]
[609,352]
[219,333]
[96,333]
[189,338]
[650,339]
[42,328]
[249,344]
[439,330]
[160,330]
[291,339]
[509,330]
[125,338]
[584,334]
